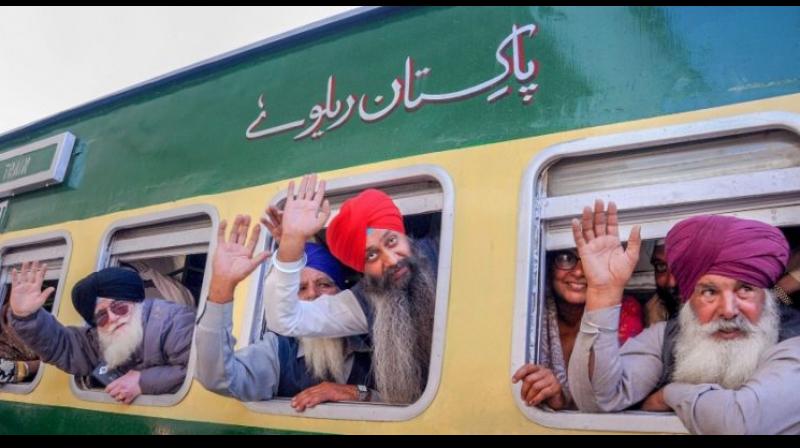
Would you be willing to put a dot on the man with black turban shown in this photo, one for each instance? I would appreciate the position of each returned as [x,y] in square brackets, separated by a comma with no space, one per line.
[132,345]
[722,365]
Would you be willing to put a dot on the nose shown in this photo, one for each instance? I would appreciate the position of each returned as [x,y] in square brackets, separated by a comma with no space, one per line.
[672,282]
[729,308]
[112,316]
[578,269]
[390,259]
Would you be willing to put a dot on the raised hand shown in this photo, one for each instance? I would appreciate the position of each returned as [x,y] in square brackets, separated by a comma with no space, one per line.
[26,289]
[305,211]
[273,221]
[304,214]
[607,266]
[233,258]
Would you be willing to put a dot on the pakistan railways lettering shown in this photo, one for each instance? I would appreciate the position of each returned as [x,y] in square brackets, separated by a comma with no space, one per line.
[404,90]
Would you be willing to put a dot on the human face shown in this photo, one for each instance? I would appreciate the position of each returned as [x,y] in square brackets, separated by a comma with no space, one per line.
[664,278]
[569,284]
[111,315]
[314,283]
[719,297]
[385,249]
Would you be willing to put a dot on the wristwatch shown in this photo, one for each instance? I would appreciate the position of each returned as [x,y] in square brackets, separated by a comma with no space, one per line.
[363,392]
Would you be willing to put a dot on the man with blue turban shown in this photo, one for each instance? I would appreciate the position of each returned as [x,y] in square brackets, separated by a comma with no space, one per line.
[311,370]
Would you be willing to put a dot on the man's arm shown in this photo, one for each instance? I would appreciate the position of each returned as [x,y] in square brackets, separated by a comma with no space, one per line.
[249,374]
[71,349]
[604,377]
[304,214]
[765,404]
[338,315]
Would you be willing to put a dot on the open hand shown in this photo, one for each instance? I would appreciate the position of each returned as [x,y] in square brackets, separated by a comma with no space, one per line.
[26,288]
[233,258]
[606,265]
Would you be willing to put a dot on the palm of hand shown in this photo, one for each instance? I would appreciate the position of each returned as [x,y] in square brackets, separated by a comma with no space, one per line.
[233,260]
[300,217]
[26,297]
[605,262]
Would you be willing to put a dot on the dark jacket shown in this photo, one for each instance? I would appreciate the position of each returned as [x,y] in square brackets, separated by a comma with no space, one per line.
[161,358]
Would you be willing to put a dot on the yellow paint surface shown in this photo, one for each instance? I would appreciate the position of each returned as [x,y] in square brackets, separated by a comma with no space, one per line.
[474,395]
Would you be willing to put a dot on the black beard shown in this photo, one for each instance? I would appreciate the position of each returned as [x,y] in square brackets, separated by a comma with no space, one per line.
[386,284]
[670,298]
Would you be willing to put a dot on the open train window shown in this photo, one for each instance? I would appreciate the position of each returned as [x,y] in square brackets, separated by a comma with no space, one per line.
[424,195]
[746,166]
[170,251]
[52,248]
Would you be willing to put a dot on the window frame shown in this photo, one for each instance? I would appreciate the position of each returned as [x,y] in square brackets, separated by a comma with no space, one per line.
[531,251]
[355,410]
[103,260]
[24,389]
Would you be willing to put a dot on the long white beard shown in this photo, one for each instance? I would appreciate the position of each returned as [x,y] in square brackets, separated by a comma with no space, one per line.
[324,358]
[699,358]
[118,347]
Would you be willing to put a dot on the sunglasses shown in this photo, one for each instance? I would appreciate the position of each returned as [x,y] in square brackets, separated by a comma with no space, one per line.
[118,307]
[566,260]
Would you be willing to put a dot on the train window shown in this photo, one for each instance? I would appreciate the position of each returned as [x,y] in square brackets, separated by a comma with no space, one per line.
[170,251]
[746,166]
[52,248]
[424,195]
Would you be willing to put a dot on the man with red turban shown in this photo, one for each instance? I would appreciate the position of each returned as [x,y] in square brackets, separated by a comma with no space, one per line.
[724,365]
[393,303]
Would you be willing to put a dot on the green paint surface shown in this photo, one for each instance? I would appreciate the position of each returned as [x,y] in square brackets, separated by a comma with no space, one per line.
[27,164]
[596,65]
[22,418]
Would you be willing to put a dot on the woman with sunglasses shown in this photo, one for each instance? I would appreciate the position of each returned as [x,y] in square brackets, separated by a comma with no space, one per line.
[565,301]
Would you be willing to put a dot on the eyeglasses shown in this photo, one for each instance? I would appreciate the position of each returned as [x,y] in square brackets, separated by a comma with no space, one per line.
[566,260]
[118,307]
[660,267]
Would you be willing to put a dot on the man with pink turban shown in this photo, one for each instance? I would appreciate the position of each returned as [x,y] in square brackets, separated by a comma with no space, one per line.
[393,303]
[725,364]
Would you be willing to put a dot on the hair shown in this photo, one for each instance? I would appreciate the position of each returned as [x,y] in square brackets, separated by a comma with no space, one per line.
[699,358]
[118,347]
[403,329]
[324,358]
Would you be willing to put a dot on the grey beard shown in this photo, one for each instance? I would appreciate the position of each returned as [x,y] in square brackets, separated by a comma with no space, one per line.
[403,330]
[699,358]
[324,358]
[118,348]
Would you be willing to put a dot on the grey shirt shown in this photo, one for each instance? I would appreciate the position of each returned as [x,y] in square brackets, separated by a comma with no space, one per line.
[161,358]
[624,376]
[249,374]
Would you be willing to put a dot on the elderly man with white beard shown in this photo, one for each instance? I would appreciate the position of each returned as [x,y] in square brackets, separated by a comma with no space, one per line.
[393,303]
[719,365]
[311,370]
[145,341]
